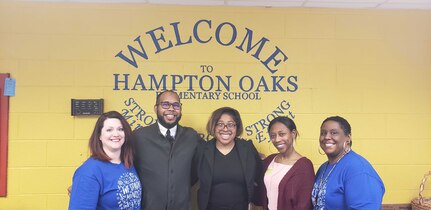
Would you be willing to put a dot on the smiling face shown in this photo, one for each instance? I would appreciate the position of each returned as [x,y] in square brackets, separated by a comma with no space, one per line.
[225,130]
[112,135]
[168,117]
[333,140]
[282,137]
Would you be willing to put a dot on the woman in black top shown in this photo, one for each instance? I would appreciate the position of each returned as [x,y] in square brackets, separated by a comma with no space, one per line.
[227,165]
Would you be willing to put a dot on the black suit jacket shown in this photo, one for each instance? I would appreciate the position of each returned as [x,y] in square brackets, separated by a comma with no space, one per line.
[250,164]
[165,172]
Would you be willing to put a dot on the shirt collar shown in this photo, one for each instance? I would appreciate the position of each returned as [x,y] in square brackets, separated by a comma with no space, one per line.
[163,130]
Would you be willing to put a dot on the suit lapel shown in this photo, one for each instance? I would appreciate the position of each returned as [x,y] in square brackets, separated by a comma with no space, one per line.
[179,132]
[242,152]
[209,154]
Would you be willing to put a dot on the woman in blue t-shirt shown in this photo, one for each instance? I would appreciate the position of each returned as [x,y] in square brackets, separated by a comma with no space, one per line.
[346,180]
[107,180]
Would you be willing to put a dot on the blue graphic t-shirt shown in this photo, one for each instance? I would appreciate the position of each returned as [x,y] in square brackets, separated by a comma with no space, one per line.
[104,185]
[352,183]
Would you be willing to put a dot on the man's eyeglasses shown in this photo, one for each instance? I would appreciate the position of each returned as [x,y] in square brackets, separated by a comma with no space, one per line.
[166,105]
[228,125]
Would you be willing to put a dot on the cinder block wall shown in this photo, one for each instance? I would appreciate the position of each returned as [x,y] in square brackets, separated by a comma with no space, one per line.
[370,66]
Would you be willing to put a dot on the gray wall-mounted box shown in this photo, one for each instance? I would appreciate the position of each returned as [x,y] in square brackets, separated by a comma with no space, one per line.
[87,107]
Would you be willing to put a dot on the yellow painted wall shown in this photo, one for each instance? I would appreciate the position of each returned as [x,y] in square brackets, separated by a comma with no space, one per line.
[371,66]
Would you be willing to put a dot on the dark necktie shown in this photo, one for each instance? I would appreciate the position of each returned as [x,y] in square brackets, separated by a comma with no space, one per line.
[169,137]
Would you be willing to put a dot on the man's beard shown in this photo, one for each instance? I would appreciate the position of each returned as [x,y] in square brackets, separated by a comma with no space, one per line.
[166,124]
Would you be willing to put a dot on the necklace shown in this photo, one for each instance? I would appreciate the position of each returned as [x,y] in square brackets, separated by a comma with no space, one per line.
[323,181]
[290,159]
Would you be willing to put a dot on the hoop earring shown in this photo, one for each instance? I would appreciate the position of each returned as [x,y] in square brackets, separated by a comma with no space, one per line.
[318,149]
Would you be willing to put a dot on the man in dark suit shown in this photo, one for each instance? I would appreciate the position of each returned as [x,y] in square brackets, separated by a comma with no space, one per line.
[163,157]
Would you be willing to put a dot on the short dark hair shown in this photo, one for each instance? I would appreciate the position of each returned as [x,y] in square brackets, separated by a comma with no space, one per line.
[96,147]
[289,123]
[345,126]
[216,115]
[166,91]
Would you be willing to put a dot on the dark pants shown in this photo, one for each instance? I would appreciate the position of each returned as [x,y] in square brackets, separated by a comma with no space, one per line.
[235,206]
